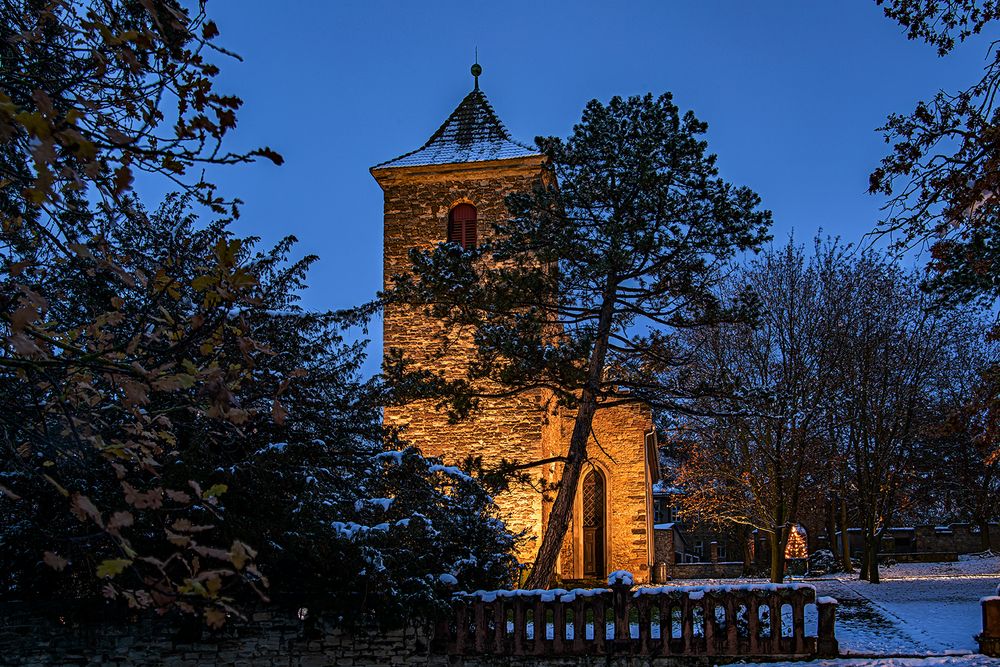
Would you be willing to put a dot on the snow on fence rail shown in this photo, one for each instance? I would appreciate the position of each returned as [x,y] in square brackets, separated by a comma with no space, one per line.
[742,620]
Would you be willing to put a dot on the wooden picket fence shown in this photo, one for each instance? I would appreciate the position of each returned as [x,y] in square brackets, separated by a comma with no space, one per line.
[737,621]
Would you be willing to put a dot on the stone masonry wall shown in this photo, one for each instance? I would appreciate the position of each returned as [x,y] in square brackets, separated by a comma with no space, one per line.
[33,637]
[619,444]
[417,202]
[961,538]
[275,638]
[617,449]
[709,570]
[664,547]
[957,538]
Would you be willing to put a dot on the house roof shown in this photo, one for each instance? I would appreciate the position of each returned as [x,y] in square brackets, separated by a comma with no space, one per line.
[472,133]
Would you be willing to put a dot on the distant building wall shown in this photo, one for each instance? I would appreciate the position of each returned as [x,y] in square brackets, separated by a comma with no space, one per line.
[957,538]
[667,544]
[722,570]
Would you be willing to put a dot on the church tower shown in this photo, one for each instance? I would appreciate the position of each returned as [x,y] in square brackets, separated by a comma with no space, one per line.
[451,189]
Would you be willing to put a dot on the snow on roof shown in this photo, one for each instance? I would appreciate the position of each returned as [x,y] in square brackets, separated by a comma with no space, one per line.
[664,488]
[472,133]
[664,526]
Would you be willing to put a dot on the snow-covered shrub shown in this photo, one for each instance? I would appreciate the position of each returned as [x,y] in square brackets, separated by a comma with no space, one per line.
[387,539]
[294,493]
[822,561]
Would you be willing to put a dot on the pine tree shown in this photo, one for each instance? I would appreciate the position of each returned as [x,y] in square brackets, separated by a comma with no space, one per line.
[590,275]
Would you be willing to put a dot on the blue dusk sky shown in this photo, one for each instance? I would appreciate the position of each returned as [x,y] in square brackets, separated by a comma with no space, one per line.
[793,93]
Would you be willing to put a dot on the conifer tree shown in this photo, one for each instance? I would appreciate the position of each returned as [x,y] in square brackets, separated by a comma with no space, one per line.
[176,432]
[583,285]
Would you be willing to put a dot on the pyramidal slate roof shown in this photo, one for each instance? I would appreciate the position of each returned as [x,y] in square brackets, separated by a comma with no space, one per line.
[472,133]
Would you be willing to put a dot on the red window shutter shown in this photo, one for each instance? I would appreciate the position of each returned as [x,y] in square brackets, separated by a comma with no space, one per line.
[462,225]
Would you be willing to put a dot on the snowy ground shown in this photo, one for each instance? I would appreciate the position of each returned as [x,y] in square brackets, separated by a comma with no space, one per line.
[910,616]
[946,661]
[918,609]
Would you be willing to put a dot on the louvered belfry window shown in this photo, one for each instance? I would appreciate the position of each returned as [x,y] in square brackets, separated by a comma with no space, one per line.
[462,225]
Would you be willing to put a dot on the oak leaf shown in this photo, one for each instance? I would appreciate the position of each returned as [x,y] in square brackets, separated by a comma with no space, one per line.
[215,618]
[55,561]
[83,508]
[112,567]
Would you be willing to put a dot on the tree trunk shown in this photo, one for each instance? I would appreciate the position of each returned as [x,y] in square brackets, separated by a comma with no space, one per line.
[873,574]
[562,508]
[748,555]
[845,538]
[777,540]
[869,562]
[831,523]
[985,543]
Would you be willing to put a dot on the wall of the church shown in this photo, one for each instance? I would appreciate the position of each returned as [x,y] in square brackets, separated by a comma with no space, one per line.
[617,450]
[416,205]
[621,433]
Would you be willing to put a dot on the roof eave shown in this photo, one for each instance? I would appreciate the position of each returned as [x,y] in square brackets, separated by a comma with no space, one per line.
[388,171]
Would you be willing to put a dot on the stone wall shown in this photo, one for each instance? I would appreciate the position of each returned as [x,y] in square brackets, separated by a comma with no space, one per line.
[957,538]
[721,570]
[617,450]
[417,202]
[619,444]
[665,549]
[961,538]
[32,636]
[713,568]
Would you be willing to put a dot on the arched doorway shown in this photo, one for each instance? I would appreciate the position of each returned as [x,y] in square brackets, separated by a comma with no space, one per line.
[594,524]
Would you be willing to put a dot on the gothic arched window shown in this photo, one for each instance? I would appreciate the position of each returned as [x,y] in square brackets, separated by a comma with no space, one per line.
[462,225]
[594,524]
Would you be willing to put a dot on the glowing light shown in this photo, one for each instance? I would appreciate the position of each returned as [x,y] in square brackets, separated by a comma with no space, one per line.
[796,547]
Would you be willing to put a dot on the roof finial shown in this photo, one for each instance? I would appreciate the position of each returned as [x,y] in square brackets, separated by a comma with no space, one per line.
[477,69]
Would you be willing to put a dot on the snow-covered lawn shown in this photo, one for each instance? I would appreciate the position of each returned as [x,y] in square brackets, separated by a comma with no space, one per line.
[971,565]
[922,616]
[918,609]
[953,661]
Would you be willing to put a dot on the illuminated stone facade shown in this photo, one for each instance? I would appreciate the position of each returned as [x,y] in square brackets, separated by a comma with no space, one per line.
[471,159]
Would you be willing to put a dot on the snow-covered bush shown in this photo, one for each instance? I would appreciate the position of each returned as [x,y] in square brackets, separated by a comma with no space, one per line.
[294,493]
[389,539]
[823,561]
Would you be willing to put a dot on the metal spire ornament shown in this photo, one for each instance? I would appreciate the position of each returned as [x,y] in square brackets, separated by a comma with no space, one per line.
[476,69]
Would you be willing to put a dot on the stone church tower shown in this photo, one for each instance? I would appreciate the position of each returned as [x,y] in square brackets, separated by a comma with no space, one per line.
[451,189]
